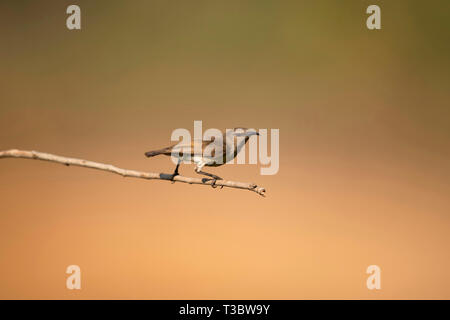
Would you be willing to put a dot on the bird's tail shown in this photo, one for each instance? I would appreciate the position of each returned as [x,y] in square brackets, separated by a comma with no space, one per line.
[156,152]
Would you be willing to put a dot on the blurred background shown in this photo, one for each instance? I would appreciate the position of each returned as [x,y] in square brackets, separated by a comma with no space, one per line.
[364,123]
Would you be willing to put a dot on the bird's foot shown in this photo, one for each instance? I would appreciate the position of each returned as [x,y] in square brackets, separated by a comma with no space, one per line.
[213,183]
[173,176]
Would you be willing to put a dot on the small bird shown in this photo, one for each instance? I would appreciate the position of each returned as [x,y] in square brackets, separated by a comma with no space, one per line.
[230,151]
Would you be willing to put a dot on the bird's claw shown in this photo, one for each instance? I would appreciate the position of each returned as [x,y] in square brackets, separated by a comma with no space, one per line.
[213,184]
[173,176]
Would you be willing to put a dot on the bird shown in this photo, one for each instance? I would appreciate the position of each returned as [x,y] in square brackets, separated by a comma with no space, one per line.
[230,151]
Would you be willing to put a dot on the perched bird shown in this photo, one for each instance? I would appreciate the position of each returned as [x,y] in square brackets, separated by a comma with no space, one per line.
[195,151]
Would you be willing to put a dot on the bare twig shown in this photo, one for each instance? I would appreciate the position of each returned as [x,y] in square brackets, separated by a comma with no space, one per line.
[124,172]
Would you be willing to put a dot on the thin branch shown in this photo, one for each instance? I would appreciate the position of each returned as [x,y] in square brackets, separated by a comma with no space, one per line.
[13,153]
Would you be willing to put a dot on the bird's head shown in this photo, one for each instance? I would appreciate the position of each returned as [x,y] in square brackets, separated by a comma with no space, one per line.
[244,132]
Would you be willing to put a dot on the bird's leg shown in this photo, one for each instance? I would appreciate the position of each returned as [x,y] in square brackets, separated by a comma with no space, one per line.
[213,176]
[198,169]
[175,173]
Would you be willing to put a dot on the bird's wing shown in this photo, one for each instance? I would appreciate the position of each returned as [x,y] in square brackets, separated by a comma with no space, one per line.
[195,147]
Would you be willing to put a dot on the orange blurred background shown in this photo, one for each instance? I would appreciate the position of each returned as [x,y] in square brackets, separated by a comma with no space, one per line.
[364,171]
